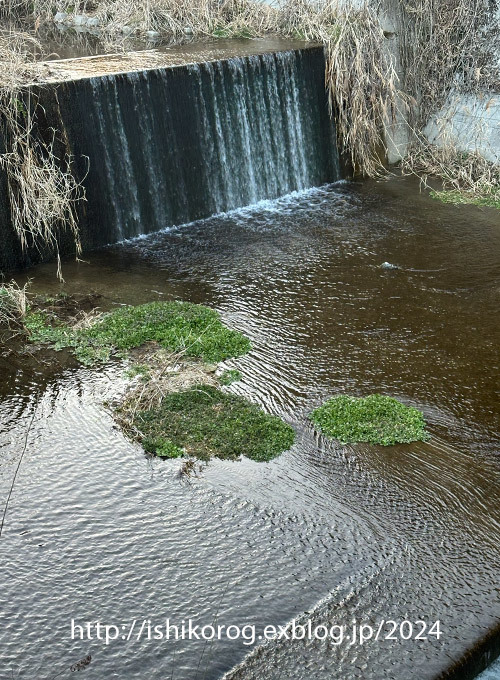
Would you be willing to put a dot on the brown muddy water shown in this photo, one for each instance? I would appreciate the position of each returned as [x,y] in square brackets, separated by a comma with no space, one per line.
[98,531]
[61,42]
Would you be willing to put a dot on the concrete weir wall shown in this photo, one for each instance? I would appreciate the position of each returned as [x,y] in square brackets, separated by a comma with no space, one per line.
[158,143]
[466,123]
[471,123]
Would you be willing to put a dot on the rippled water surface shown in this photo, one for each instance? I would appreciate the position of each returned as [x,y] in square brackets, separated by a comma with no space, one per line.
[491,673]
[96,530]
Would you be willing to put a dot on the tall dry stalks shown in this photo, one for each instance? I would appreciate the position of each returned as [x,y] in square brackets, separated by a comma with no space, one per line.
[447,52]
[14,302]
[42,189]
[360,75]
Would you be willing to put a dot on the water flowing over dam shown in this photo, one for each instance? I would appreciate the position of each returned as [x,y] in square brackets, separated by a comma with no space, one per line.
[157,147]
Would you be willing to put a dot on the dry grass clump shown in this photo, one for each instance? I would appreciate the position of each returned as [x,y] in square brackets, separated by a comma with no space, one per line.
[360,77]
[219,18]
[18,304]
[14,303]
[457,170]
[171,17]
[16,65]
[156,373]
[20,9]
[42,189]
[160,372]
[465,177]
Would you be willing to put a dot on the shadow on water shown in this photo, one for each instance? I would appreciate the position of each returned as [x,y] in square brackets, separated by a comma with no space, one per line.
[98,531]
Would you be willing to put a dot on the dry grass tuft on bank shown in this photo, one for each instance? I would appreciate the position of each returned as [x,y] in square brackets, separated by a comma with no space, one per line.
[158,372]
[14,303]
[465,177]
[43,191]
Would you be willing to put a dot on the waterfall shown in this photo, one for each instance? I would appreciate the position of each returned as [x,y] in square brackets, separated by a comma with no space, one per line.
[170,145]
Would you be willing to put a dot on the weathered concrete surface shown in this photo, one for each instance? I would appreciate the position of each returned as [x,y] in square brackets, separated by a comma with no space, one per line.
[164,57]
[470,124]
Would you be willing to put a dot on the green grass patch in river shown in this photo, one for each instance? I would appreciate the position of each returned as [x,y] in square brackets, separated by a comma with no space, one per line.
[488,199]
[174,407]
[194,330]
[375,419]
[205,422]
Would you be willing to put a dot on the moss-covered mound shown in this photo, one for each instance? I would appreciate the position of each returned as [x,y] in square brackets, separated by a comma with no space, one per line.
[205,422]
[375,419]
[176,409]
[194,330]
[230,376]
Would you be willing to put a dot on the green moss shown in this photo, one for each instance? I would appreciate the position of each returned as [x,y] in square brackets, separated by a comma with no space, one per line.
[205,422]
[163,448]
[176,326]
[489,199]
[139,370]
[229,377]
[376,419]
[42,329]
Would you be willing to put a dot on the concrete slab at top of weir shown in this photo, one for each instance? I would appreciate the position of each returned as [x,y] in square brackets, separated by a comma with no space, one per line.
[163,57]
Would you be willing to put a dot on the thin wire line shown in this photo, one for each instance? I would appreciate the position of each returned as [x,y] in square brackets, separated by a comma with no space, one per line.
[17,470]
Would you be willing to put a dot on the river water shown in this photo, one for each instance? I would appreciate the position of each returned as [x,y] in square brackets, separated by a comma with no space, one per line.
[96,530]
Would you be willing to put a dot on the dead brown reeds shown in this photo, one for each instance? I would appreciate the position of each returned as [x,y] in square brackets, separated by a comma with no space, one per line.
[14,303]
[360,76]
[159,372]
[42,189]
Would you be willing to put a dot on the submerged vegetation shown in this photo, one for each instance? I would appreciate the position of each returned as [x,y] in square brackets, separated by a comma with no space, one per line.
[375,419]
